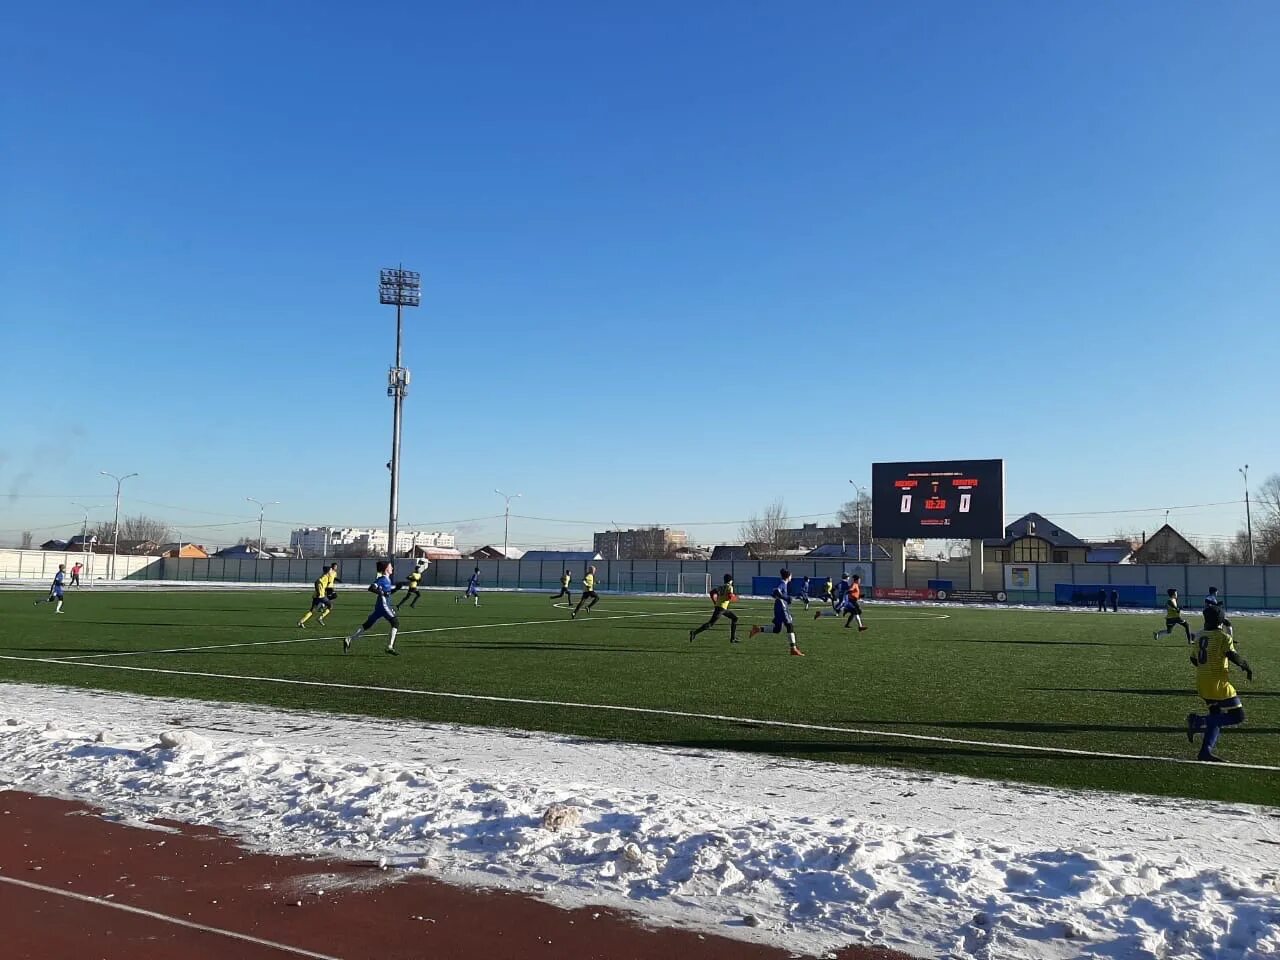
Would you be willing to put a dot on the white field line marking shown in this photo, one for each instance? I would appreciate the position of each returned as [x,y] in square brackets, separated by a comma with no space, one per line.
[647,711]
[402,633]
[165,918]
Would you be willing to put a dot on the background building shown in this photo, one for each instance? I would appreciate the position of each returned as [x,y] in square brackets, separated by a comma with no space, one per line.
[358,541]
[646,543]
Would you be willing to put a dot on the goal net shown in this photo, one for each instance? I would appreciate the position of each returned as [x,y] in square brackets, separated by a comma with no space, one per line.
[641,581]
[699,583]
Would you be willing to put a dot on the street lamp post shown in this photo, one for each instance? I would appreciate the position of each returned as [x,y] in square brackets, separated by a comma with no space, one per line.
[506,520]
[400,288]
[115,526]
[1248,517]
[262,509]
[858,513]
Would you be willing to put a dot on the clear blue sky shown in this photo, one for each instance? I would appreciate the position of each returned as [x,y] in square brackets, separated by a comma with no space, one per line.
[678,259]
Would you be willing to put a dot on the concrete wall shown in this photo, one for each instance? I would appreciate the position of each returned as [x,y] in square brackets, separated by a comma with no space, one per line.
[43,564]
[1243,587]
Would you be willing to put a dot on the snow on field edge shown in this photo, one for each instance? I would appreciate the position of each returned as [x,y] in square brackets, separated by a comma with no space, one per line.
[808,856]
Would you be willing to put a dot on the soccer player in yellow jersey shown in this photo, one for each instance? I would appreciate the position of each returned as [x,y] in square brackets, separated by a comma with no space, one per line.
[720,600]
[588,592]
[412,582]
[1214,649]
[323,595]
[565,579]
[1173,617]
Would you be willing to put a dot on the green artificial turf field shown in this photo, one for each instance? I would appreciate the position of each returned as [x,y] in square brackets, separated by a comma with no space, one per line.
[1091,682]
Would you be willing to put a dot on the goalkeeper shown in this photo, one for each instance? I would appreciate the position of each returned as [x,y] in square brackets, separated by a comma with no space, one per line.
[720,599]
[323,595]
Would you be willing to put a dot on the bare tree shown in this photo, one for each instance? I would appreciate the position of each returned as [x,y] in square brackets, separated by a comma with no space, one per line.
[1266,530]
[26,539]
[131,528]
[856,513]
[765,529]
[144,528]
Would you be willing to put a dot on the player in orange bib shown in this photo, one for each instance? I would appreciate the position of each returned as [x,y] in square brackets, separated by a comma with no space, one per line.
[850,604]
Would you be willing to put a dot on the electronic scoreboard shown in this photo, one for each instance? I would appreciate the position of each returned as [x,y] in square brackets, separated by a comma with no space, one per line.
[938,500]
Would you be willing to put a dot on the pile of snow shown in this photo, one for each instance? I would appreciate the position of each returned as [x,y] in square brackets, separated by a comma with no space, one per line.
[808,856]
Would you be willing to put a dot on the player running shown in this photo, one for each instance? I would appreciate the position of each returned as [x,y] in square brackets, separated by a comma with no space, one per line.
[827,589]
[804,591]
[412,582]
[565,579]
[1173,617]
[720,599]
[382,609]
[588,593]
[1214,648]
[323,594]
[850,606]
[842,590]
[782,613]
[473,588]
[55,589]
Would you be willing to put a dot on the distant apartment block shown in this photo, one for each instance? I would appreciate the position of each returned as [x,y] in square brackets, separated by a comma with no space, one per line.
[644,543]
[336,541]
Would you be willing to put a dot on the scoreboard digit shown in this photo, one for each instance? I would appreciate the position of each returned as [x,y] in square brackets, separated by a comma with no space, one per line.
[939,499]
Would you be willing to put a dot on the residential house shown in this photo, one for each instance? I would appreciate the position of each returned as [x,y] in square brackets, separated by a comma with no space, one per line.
[490,552]
[1167,545]
[1034,539]
[1110,551]
[187,551]
[562,556]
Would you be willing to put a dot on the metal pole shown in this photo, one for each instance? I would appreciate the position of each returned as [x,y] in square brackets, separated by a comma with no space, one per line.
[402,288]
[858,514]
[1248,517]
[397,419]
[262,509]
[115,534]
[506,520]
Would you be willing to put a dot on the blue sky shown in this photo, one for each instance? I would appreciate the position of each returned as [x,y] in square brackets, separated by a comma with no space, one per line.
[678,259]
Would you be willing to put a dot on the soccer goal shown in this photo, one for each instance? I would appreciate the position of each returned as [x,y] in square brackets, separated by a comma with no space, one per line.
[699,583]
[639,581]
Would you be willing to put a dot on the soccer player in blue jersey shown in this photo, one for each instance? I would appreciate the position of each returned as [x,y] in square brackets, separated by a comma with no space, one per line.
[842,591]
[782,612]
[383,587]
[55,589]
[473,589]
[804,591]
[1212,599]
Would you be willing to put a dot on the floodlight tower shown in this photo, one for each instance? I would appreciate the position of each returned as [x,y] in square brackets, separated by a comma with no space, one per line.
[402,288]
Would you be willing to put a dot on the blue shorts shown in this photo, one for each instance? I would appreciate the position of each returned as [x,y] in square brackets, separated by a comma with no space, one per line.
[57,592]
[782,618]
[382,611]
[472,590]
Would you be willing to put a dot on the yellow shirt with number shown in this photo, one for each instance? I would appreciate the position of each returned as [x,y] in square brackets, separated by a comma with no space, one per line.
[324,582]
[1212,648]
[724,596]
[589,582]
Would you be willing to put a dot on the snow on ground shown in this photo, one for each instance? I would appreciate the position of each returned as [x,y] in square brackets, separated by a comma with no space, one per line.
[804,855]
